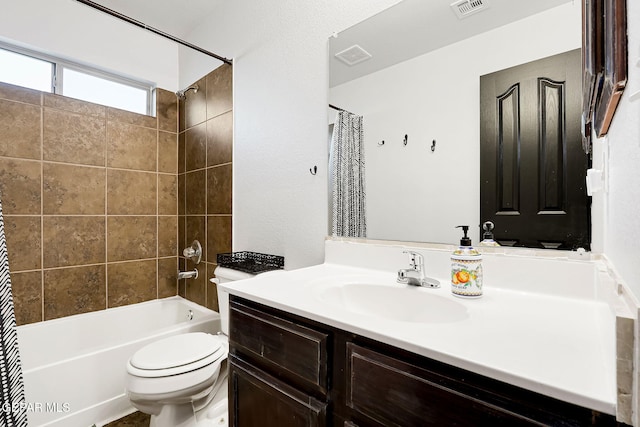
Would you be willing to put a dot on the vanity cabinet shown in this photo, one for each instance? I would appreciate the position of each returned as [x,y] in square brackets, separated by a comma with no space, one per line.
[277,370]
[286,370]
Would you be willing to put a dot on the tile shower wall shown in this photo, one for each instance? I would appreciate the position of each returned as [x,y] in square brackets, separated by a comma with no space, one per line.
[204,179]
[89,195]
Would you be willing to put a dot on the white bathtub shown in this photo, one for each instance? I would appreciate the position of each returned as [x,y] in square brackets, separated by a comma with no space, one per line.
[74,367]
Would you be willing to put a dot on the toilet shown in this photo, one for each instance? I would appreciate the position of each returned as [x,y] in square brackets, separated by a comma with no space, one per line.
[181,381]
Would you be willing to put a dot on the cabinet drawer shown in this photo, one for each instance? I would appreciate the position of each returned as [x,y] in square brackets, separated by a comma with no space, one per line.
[394,393]
[259,400]
[294,352]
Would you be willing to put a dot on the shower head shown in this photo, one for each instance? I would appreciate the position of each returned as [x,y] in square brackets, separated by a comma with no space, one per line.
[182,94]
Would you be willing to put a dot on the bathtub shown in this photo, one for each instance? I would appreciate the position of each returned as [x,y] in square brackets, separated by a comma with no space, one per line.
[74,367]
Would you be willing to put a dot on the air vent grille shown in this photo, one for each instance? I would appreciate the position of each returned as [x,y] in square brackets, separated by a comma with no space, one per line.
[464,8]
[353,55]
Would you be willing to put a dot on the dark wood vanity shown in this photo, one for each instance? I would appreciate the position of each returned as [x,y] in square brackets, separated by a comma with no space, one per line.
[286,370]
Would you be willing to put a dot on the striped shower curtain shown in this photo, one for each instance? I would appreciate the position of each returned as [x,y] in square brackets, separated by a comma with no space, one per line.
[346,174]
[13,409]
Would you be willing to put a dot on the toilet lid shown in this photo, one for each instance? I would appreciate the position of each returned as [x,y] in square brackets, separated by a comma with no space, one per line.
[177,350]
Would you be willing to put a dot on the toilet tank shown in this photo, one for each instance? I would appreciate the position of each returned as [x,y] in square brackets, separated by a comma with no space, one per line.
[224,275]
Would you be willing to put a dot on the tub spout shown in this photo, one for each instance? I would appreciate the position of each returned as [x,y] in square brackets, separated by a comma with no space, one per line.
[192,274]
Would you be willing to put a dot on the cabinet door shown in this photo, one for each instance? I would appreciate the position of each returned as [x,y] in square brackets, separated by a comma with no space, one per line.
[391,392]
[257,399]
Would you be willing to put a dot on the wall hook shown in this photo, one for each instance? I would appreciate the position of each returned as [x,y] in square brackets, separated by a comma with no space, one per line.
[405,140]
[313,170]
[433,145]
[380,144]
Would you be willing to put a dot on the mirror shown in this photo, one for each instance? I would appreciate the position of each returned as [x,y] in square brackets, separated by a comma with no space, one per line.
[423,81]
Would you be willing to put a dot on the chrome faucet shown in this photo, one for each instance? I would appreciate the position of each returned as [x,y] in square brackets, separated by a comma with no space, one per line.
[415,275]
[192,274]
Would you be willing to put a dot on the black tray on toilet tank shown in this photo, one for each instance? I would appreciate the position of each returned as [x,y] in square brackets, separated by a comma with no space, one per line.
[250,262]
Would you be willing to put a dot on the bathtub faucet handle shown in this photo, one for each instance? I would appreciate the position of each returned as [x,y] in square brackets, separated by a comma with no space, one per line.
[193,252]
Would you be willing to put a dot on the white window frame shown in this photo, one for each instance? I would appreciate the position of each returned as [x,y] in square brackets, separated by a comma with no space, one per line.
[59,64]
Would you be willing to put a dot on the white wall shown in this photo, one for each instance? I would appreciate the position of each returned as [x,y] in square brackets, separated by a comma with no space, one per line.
[73,31]
[619,209]
[412,193]
[280,97]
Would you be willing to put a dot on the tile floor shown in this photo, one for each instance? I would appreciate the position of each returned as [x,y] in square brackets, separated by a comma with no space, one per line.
[137,419]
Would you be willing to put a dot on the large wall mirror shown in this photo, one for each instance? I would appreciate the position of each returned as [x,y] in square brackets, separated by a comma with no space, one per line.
[422,81]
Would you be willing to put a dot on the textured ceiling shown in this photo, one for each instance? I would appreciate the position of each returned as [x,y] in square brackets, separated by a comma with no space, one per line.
[174,17]
[415,27]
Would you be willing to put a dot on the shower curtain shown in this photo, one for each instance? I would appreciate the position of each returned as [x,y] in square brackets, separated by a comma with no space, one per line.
[346,172]
[13,407]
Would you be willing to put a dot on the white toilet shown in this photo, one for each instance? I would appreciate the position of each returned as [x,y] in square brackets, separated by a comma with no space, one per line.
[181,381]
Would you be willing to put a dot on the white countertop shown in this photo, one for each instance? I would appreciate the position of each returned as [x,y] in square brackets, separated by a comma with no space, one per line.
[557,346]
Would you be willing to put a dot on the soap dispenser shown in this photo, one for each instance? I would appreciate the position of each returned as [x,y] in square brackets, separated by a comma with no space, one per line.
[466,268]
[487,236]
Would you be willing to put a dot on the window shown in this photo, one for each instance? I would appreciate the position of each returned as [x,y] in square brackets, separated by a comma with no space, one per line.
[23,70]
[47,74]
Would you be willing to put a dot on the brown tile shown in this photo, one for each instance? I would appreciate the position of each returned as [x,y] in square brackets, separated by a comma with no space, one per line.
[20,185]
[182,284]
[195,182]
[73,240]
[219,91]
[182,124]
[74,105]
[131,237]
[131,282]
[167,110]
[131,193]
[219,189]
[73,190]
[218,236]
[167,277]
[181,152]
[20,126]
[624,359]
[20,94]
[24,235]
[131,118]
[212,290]
[74,138]
[167,236]
[196,289]
[182,233]
[137,419]
[27,296]
[131,147]
[196,147]
[182,194]
[195,106]
[220,139]
[167,194]
[195,230]
[167,152]
[75,290]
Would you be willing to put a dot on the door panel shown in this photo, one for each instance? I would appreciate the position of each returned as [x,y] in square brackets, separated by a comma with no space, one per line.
[532,166]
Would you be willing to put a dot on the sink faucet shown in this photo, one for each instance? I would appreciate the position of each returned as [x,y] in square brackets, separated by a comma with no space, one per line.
[415,275]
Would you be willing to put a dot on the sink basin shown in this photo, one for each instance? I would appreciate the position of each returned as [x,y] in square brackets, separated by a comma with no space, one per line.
[391,301]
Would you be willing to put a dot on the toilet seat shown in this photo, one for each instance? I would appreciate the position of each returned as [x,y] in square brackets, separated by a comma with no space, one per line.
[177,355]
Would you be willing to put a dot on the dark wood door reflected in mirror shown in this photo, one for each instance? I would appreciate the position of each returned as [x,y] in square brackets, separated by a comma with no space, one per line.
[532,166]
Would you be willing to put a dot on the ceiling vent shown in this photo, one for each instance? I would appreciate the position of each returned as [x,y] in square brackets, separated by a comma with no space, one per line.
[464,8]
[353,55]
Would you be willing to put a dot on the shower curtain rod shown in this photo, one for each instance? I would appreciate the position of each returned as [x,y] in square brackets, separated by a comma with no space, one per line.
[125,18]
[339,109]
